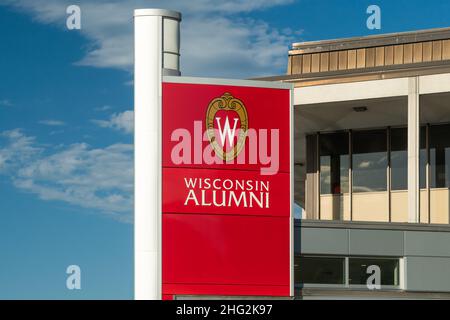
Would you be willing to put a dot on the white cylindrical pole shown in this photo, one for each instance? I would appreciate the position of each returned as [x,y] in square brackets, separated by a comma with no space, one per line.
[156,52]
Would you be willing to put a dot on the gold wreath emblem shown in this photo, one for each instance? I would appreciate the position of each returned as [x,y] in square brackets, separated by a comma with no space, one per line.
[227,103]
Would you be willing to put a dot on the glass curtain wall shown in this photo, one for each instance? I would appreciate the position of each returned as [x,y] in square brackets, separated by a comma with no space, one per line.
[334,176]
[370,163]
[364,175]
[423,175]
[340,272]
[439,173]
[399,174]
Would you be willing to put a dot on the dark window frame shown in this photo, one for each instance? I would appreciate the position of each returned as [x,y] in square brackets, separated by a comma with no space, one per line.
[346,284]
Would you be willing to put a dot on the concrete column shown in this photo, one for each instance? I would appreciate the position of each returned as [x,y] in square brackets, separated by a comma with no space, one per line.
[413,150]
[156,42]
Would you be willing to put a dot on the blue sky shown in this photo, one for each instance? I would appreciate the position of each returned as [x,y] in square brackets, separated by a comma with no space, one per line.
[66,121]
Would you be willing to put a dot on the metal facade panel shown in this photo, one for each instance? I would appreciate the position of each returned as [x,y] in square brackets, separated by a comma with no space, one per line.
[376,243]
[321,241]
[427,274]
[427,244]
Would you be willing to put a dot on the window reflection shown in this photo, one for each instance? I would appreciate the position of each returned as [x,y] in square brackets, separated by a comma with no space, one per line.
[423,158]
[319,270]
[369,154]
[322,270]
[399,159]
[389,271]
[369,161]
[334,163]
[439,156]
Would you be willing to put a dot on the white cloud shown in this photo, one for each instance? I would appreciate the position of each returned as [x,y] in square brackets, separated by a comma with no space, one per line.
[216,39]
[94,178]
[103,108]
[19,148]
[119,121]
[364,164]
[5,103]
[52,123]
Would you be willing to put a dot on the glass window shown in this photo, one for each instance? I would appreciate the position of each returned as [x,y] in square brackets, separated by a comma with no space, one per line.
[399,159]
[315,270]
[334,163]
[423,158]
[439,156]
[370,161]
[358,271]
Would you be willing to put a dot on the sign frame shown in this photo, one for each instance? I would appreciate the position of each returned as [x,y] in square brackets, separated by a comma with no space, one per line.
[256,84]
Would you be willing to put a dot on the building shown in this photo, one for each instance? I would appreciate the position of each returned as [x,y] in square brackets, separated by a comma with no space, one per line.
[372,165]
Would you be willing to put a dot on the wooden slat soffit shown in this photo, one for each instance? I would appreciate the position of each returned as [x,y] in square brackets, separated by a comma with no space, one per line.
[369,57]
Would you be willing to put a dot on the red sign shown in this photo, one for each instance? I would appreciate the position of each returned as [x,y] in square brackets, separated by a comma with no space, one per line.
[226,189]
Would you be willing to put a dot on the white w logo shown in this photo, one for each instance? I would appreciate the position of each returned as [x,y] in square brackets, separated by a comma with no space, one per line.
[227,131]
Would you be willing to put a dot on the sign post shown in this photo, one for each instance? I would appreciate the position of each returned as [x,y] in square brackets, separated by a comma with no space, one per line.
[156,53]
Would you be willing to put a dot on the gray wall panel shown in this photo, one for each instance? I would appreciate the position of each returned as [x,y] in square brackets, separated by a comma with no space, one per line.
[321,241]
[427,244]
[427,253]
[428,274]
[376,242]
